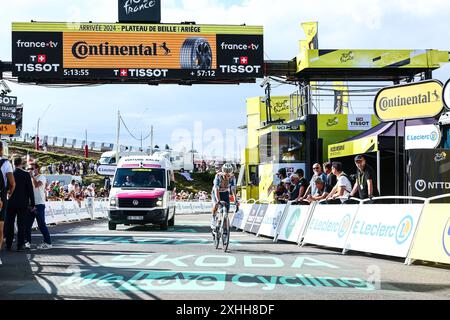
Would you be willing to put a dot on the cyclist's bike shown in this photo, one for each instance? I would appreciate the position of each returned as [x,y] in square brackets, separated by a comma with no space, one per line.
[223,229]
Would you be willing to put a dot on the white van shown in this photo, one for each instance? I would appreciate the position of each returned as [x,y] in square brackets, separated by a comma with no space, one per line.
[142,192]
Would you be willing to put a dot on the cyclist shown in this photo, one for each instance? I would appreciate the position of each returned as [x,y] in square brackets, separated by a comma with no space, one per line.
[224,185]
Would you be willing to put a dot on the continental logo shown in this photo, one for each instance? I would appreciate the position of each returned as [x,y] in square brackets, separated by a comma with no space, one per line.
[399,101]
[82,50]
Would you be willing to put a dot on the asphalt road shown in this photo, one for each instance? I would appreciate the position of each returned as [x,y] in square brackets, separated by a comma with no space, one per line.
[90,262]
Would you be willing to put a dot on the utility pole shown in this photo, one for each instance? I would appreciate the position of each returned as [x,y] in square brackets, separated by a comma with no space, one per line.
[118,137]
[151,143]
[86,148]
[37,135]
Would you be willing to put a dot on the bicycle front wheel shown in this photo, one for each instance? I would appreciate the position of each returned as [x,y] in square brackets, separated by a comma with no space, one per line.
[217,237]
[226,235]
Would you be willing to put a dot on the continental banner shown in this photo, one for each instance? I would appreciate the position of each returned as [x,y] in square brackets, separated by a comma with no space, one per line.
[432,240]
[412,101]
[136,52]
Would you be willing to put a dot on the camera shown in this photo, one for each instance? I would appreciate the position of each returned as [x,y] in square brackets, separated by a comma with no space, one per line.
[444,119]
[5,89]
[265,82]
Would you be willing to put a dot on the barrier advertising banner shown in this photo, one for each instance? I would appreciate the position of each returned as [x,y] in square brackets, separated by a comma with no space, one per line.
[385,229]
[430,173]
[432,240]
[330,225]
[137,53]
[294,223]
[240,218]
[271,220]
[251,217]
[259,218]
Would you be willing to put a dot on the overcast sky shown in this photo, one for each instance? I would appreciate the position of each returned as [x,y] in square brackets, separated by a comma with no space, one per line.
[352,24]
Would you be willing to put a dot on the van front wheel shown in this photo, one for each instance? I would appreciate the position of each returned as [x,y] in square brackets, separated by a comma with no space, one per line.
[112,226]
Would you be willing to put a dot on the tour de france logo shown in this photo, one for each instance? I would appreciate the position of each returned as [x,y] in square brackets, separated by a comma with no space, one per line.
[345,226]
[446,238]
[404,230]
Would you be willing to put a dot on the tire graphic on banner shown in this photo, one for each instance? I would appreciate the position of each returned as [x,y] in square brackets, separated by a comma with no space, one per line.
[446,238]
[196,53]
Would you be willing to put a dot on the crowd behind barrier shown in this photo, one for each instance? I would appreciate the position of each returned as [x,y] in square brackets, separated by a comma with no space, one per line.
[411,228]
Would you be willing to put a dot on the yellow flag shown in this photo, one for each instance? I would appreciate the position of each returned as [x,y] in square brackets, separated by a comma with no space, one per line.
[312,34]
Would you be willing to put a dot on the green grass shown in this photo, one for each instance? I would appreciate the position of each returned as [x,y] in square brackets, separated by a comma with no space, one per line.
[202,182]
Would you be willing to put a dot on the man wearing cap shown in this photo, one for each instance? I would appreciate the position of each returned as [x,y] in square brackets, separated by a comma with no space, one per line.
[366,183]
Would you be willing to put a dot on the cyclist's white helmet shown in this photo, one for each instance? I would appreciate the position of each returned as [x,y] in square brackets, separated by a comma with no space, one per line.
[227,168]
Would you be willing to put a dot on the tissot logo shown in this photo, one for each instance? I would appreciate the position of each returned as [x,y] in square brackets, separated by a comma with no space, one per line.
[82,50]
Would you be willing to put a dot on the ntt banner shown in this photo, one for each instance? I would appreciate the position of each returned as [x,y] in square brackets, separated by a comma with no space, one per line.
[385,229]
[87,52]
[432,241]
[330,225]
[430,173]
[412,101]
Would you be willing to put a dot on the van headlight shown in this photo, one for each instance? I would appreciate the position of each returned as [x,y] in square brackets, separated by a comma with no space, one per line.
[113,202]
[160,202]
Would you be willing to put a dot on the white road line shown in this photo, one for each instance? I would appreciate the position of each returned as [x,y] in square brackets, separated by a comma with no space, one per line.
[116,235]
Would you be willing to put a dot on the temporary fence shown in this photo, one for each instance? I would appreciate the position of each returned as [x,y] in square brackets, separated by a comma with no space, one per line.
[69,211]
[412,228]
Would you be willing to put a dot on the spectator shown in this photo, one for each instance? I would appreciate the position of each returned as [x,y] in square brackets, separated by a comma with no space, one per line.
[321,192]
[18,206]
[7,186]
[38,213]
[298,189]
[331,178]
[343,187]
[366,182]
[317,169]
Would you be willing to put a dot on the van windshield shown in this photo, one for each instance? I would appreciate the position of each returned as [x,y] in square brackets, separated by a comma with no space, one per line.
[140,178]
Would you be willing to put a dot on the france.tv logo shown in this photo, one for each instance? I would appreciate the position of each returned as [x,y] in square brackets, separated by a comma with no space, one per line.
[404,230]
[446,238]
[345,226]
